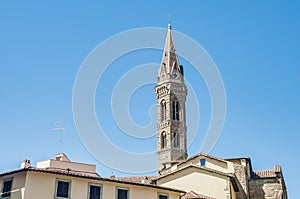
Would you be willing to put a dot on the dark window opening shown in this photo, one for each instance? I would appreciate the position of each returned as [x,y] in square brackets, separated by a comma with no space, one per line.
[6,188]
[122,193]
[95,192]
[175,110]
[162,196]
[163,111]
[62,190]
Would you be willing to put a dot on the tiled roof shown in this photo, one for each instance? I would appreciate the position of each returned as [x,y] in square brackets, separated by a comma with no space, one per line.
[237,158]
[198,167]
[202,154]
[263,174]
[194,195]
[136,179]
[70,171]
[270,173]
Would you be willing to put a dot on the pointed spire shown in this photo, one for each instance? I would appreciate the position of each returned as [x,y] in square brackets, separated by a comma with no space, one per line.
[169,45]
[169,66]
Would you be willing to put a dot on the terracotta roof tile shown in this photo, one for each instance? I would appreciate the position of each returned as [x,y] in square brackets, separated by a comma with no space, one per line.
[136,179]
[263,174]
[194,195]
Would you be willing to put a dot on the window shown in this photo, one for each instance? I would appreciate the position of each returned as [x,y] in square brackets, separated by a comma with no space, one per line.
[95,191]
[175,110]
[163,140]
[122,193]
[6,188]
[202,162]
[62,189]
[162,196]
[163,110]
[176,140]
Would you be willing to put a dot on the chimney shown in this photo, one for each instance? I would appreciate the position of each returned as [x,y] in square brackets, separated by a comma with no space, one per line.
[25,164]
[62,157]
[277,170]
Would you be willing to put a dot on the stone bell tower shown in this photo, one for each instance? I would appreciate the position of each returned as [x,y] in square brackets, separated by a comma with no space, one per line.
[171,93]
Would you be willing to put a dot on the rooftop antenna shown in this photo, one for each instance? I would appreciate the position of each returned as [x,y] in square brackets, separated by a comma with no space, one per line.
[60,127]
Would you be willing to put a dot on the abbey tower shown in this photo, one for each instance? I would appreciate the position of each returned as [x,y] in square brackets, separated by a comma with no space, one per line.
[171,93]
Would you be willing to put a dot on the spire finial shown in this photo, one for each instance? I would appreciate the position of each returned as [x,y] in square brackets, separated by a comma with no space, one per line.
[169,22]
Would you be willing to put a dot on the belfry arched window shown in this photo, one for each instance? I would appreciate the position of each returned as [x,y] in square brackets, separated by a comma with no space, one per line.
[176,140]
[163,110]
[175,108]
[163,140]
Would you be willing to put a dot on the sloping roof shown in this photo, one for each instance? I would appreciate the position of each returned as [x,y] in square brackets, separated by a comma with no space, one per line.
[263,174]
[269,173]
[198,167]
[231,176]
[240,158]
[202,154]
[137,179]
[237,158]
[194,195]
[76,174]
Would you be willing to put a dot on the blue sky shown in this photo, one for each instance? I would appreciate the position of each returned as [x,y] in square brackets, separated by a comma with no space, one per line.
[254,44]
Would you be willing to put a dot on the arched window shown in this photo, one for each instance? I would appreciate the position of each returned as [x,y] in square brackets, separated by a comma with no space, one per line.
[163,140]
[176,140]
[175,108]
[163,110]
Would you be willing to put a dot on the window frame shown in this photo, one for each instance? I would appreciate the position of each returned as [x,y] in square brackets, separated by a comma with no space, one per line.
[202,162]
[123,188]
[2,186]
[96,185]
[56,186]
[162,194]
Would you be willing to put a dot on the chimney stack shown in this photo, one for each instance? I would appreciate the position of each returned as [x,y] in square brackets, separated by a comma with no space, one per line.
[25,164]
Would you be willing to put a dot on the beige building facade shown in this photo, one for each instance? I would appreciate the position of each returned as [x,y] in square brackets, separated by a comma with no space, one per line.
[224,178]
[61,179]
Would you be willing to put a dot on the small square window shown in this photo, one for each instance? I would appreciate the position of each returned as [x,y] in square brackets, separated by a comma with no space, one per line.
[162,196]
[6,188]
[62,189]
[202,162]
[122,193]
[95,191]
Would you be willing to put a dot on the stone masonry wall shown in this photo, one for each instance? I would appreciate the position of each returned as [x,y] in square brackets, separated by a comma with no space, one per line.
[268,188]
[240,172]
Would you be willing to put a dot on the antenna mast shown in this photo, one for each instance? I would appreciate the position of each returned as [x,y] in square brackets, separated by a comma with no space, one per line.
[60,127]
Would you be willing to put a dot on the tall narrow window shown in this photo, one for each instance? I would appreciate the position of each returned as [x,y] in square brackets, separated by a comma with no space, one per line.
[62,189]
[163,140]
[163,110]
[122,193]
[175,108]
[94,191]
[176,140]
[6,188]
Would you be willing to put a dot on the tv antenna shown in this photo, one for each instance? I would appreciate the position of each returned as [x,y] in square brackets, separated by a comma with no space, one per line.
[60,127]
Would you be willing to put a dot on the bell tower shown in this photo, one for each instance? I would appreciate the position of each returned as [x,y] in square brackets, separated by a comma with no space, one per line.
[171,93]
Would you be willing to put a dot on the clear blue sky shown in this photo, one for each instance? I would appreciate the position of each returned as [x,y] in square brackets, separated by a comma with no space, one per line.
[255,45]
